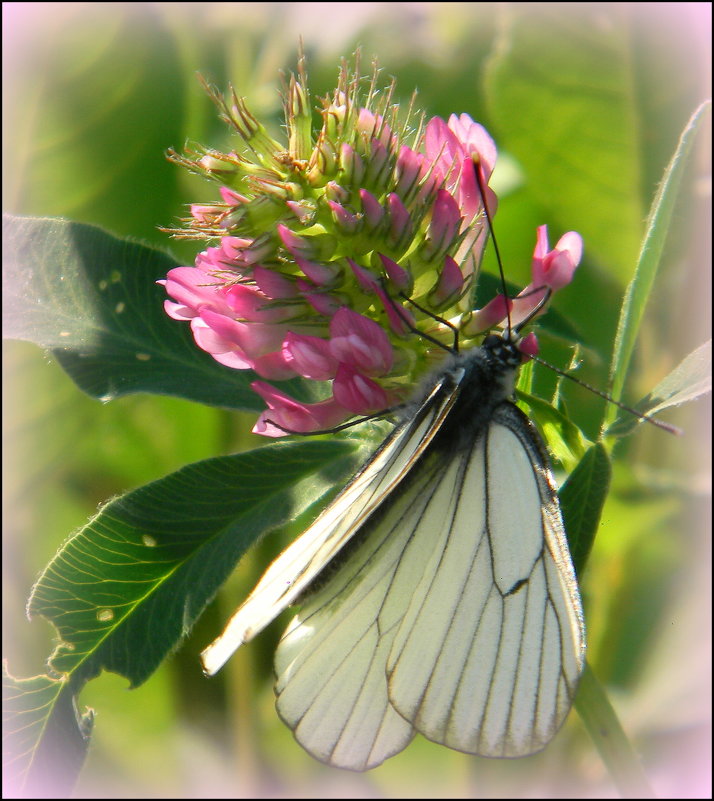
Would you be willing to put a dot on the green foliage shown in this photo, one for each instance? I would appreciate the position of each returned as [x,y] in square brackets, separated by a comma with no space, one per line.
[92,300]
[586,105]
[640,287]
[582,498]
[580,93]
[124,590]
[45,740]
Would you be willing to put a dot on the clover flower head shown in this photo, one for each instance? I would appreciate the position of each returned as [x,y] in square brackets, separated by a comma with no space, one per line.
[330,254]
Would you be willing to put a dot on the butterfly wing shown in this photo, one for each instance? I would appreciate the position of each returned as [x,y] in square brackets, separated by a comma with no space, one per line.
[491,647]
[457,615]
[298,565]
[331,663]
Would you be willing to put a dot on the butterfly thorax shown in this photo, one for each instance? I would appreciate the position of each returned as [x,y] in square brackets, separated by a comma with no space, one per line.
[485,378]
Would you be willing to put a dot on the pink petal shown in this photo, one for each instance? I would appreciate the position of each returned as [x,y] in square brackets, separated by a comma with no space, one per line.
[360,343]
[452,149]
[255,339]
[400,222]
[259,250]
[449,284]
[250,304]
[494,312]
[528,346]
[571,243]
[445,222]
[441,145]
[296,245]
[378,164]
[303,210]
[336,192]
[296,416]
[231,197]
[319,274]
[410,168]
[558,269]
[474,138]
[358,393]
[372,209]
[373,126]
[367,280]
[177,311]
[234,247]
[526,302]
[468,192]
[555,268]
[194,288]
[212,342]
[214,260]
[204,214]
[400,277]
[309,356]
[345,220]
[541,248]
[401,320]
[322,302]
[233,359]
[273,284]
[273,366]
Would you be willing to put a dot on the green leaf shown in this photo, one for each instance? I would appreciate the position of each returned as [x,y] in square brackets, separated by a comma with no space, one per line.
[45,739]
[689,380]
[125,589]
[92,299]
[640,287]
[582,498]
[561,95]
[565,440]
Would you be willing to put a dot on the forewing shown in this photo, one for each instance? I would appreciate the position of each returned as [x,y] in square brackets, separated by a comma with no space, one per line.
[490,650]
[298,565]
[331,663]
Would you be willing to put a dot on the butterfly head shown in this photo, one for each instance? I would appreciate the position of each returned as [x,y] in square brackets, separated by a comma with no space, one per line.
[503,352]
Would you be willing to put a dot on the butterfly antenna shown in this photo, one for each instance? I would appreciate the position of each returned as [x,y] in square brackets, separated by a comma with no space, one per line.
[342,427]
[401,313]
[539,306]
[455,331]
[482,190]
[640,415]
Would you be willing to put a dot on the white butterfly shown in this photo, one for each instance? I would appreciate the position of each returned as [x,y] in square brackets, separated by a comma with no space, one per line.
[454,611]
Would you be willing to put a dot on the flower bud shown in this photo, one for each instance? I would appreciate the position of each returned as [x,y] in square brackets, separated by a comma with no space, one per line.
[373,210]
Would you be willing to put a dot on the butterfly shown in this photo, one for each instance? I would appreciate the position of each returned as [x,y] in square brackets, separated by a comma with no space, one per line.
[438,594]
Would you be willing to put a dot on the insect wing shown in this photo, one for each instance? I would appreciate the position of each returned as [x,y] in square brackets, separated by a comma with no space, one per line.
[330,665]
[458,616]
[490,650]
[295,568]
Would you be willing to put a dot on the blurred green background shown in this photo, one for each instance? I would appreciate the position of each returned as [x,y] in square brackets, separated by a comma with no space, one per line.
[586,102]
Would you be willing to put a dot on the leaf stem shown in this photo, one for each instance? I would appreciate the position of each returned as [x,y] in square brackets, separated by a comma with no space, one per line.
[607,734]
